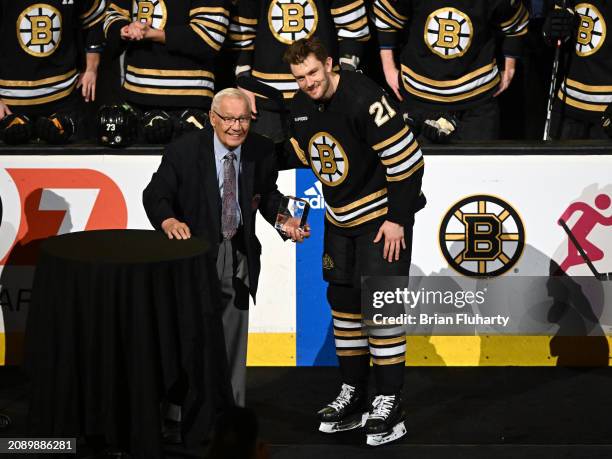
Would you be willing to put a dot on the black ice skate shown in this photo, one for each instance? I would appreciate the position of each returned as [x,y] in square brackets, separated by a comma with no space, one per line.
[348,411]
[385,421]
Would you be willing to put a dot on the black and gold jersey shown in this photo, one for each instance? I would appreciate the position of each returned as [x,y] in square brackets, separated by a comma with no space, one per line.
[361,150]
[39,47]
[261,30]
[448,61]
[586,90]
[178,73]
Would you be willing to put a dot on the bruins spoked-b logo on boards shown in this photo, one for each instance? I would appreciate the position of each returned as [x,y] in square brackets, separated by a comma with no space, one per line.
[328,159]
[39,29]
[482,236]
[448,33]
[591,29]
[291,20]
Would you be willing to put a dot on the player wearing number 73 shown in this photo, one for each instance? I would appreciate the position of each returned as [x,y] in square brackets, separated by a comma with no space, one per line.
[348,130]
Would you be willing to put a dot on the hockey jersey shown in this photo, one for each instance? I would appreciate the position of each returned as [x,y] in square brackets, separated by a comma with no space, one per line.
[586,90]
[261,30]
[364,155]
[178,73]
[448,61]
[39,47]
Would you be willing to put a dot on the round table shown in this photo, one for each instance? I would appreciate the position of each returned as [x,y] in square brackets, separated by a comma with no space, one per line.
[116,318]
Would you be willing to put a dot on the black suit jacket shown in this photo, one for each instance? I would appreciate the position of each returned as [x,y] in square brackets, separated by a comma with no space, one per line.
[185,187]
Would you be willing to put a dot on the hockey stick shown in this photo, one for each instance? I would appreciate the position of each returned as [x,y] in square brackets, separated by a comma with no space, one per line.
[553,85]
[252,84]
[272,94]
[585,257]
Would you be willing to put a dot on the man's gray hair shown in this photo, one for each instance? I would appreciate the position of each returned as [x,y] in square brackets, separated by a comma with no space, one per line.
[230,92]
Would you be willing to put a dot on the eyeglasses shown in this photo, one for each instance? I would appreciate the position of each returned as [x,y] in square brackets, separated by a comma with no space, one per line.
[230,120]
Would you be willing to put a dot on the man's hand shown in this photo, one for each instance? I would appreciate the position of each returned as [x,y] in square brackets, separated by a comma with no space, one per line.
[506,76]
[391,71]
[4,110]
[292,229]
[137,31]
[153,34]
[132,32]
[252,100]
[175,229]
[394,240]
[87,80]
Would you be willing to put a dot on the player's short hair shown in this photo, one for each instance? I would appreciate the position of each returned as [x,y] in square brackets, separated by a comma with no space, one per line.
[234,93]
[299,50]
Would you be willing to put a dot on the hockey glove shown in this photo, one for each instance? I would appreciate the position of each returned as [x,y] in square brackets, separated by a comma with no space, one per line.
[414,122]
[348,62]
[606,121]
[15,129]
[560,24]
[192,119]
[157,126]
[440,130]
[56,129]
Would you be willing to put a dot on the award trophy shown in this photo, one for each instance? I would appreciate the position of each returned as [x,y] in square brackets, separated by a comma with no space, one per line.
[292,207]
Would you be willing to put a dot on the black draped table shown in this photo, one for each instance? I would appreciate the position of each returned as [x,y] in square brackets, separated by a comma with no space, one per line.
[117,317]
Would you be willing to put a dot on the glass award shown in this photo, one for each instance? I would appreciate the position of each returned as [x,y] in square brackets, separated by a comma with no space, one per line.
[292,207]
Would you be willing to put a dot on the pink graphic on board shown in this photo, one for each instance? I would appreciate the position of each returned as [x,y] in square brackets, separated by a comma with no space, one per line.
[582,228]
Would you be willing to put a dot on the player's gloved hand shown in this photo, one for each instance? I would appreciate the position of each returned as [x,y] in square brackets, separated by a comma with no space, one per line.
[414,122]
[606,121]
[192,119]
[157,126]
[56,129]
[440,130]
[560,24]
[349,62]
[15,129]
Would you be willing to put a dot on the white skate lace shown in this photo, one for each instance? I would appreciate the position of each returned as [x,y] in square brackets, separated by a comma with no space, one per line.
[344,398]
[381,406]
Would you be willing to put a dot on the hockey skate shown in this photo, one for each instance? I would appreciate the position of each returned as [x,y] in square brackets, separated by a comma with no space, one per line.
[385,421]
[348,411]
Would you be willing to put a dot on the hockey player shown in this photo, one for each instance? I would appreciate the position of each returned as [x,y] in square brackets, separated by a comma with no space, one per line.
[261,30]
[586,89]
[350,133]
[170,48]
[448,64]
[40,51]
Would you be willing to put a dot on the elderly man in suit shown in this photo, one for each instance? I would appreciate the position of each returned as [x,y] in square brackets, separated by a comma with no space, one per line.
[210,184]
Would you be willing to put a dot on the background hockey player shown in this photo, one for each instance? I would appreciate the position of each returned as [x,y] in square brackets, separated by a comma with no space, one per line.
[586,87]
[448,65]
[262,29]
[349,132]
[170,50]
[41,54]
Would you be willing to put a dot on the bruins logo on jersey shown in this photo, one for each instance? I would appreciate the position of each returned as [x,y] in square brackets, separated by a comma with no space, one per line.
[482,236]
[150,10]
[448,33]
[591,29]
[39,29]
[290,20]
[328,159]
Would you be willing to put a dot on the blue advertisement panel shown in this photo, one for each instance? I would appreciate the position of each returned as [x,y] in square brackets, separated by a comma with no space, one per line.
[315,345]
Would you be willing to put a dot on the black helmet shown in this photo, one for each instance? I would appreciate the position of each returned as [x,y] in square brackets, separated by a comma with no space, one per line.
[117,125]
